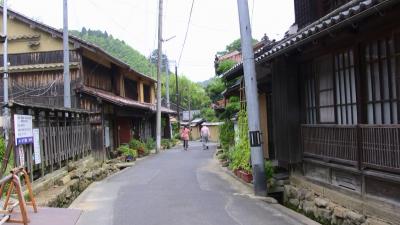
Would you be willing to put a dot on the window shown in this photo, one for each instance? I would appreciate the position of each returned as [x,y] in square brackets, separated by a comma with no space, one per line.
[147,93]
[323,69]
[382,58]
[330,89]
[310,102]
[131,89]
[346,100]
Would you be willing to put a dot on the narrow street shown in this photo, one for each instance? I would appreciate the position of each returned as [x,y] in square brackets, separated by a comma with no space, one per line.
[177,187]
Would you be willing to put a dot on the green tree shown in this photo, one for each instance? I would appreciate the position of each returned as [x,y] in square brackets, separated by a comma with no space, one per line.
[215,88]
[208,114]
[237,45]
[225,66]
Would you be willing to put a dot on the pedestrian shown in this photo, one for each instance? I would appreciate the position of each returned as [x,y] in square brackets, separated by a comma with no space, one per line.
[205,135]
[185,133]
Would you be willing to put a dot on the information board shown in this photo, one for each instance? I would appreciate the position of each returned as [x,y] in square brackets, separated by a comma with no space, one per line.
[36,146]
[23,129]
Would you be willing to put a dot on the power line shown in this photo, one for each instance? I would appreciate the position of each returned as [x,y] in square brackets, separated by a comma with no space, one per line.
[187,31]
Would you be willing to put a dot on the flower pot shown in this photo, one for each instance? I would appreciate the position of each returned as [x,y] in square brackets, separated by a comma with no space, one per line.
[236,172]
[247,177]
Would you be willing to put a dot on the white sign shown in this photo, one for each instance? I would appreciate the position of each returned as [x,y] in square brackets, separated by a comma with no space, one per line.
[107,136]
[21,155]
[36,146]
[23,129]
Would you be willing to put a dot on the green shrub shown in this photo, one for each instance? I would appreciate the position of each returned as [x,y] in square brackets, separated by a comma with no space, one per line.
[127,151]
[150,144]
[227,136]
[2,148]
[269,169]
[136,144]
[166,143]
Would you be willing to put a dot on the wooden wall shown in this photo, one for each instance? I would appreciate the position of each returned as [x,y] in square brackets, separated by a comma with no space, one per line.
[286,111]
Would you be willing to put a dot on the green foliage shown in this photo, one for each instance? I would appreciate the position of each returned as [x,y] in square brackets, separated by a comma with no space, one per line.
[231,108]
[269,169]
[188,90]
[154,59]
[137,145]
[240,155]
[208,114]
[214,89]
[127,151]
[118,49]
[236,45]
[225,66]
[227,136]
[2,149]
[166,143]
[150,144]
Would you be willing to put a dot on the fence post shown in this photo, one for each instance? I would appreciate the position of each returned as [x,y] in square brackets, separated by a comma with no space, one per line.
[359,147]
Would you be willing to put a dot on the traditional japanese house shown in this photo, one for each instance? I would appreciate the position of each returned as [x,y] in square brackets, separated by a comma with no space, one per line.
[121,100]
[334,87]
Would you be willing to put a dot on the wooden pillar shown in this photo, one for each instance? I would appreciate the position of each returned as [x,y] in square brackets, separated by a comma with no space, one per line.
[141,91]
[262,100]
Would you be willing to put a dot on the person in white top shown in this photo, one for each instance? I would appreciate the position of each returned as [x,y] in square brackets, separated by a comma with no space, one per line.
[205,134]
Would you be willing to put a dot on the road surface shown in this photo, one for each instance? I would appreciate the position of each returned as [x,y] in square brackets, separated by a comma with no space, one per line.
[178,187]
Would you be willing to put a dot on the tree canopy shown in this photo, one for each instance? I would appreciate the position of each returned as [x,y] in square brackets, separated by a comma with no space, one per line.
[215,88]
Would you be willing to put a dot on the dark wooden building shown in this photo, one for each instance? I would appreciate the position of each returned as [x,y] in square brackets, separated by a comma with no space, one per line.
[334,85]
[120,99]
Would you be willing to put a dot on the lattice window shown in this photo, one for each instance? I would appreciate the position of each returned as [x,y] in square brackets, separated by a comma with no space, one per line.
[326,107]
[309,93]
[382,59]
[345,82]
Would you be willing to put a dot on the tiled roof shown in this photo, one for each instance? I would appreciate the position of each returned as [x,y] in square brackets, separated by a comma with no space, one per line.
[347,14]
[35,67]
[121,101]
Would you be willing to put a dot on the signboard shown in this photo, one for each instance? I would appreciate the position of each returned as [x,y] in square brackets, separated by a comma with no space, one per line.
[23,129]
[107,136]
[36,146]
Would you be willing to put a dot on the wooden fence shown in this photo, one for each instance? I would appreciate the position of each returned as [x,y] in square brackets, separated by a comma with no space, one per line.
[64,135]
[361,146]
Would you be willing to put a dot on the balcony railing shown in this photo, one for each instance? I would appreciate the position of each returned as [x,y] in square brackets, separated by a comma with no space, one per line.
[361,146]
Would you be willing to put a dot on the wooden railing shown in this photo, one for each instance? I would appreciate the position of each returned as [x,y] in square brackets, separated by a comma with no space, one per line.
[39,58]
[361,146]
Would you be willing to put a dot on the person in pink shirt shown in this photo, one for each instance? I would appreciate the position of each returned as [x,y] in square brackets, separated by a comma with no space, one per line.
[185,133]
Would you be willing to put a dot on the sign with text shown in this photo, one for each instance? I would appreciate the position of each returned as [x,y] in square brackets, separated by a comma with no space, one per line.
[23,129]
[36,146]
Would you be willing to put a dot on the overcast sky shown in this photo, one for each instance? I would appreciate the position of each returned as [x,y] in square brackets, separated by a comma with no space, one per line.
[214,24]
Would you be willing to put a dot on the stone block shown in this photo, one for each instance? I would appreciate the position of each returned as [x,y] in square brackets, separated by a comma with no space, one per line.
[294,202]
[309,207]
[323,214]
[371,221]
[320,202]
[356,218]
[64,180]
[339,212]
[309,196]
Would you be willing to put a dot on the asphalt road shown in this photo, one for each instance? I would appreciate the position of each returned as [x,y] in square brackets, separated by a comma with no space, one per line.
[177,187]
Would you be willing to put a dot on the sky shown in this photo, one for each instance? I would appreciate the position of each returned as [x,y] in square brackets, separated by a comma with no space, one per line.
[214,24]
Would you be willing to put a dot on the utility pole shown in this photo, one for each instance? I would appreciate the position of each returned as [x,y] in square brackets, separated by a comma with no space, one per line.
[167,83]
[177,96]
[67,79]
[160,40]
[253,113]
[6,116]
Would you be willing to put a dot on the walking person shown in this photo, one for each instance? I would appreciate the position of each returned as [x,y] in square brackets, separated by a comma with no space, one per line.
[185,133]
[205,135]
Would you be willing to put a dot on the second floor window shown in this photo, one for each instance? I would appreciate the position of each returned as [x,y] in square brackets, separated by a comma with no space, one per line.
[147,93]
[131,89]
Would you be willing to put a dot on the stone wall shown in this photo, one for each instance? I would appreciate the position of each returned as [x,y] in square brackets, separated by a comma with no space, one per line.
[324,210]
[60,191]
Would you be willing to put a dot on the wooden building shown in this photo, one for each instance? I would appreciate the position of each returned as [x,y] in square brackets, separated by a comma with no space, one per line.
[333,86]
[121,100]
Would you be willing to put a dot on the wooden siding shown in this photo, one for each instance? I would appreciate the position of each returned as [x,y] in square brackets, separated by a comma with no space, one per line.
[41,87]
[97,76]
[286,111]
[39,58]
